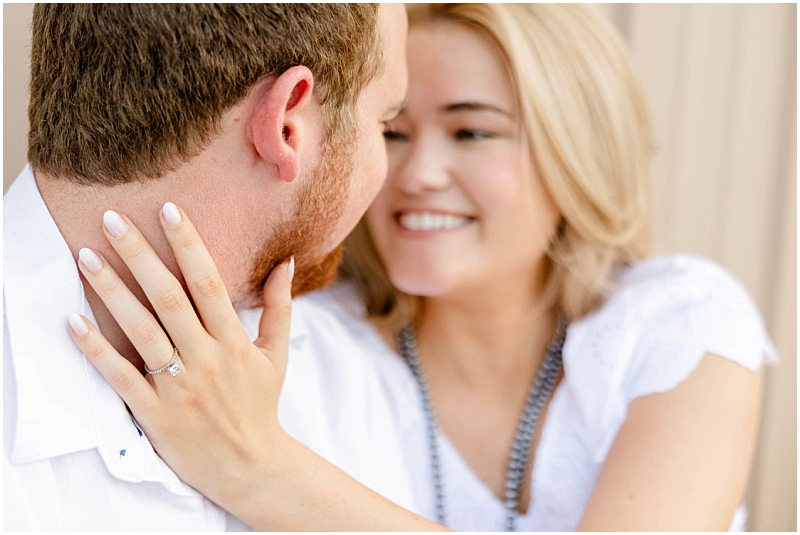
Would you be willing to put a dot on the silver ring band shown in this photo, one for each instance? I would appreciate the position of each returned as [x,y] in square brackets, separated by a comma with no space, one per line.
[172,366]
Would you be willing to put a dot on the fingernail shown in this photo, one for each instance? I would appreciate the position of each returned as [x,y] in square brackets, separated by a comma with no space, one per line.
[171,214]
[90,260]
[78,325]
[114,223]
[291,270]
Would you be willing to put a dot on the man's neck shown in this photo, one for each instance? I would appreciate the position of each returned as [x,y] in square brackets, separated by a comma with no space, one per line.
[78,213]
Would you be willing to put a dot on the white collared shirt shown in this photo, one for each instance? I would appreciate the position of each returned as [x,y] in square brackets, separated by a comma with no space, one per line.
[74,459]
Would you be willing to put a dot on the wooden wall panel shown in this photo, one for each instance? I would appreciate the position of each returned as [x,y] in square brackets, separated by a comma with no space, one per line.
[697,172]
[773,492]
[16,69]
[775,472]
[657,36]
[745,241]
[721,80]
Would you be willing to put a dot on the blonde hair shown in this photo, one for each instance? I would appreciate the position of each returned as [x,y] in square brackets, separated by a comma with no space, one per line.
[586,123]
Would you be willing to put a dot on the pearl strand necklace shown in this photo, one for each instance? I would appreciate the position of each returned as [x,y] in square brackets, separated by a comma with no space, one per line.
[520,451]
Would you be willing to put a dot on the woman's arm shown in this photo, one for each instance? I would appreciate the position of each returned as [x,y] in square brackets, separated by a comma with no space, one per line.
[681,459]
[307,493]
[215,421]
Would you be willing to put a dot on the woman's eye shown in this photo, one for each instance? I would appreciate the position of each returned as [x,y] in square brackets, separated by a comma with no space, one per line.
[392,135]
[473,135]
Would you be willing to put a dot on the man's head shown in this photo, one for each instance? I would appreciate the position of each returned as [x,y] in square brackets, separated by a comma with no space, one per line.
[247,115]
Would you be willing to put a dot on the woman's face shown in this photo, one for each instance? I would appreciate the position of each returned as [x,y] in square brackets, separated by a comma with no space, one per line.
[461,209]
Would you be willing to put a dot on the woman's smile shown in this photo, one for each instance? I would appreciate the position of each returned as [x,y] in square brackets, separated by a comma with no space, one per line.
[424,223]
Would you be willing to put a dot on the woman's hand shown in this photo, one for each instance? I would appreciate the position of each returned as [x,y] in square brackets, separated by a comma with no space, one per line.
[215,420]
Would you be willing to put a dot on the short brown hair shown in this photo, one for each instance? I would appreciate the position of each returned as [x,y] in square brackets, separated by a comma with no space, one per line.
[123,92]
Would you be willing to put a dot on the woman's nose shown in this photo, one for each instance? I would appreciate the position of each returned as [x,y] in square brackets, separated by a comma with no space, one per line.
[419,167]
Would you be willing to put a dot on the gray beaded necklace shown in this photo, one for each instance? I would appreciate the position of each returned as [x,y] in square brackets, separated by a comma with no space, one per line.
[518,460]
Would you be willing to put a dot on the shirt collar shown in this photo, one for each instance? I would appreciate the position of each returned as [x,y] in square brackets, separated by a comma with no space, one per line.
[63,404]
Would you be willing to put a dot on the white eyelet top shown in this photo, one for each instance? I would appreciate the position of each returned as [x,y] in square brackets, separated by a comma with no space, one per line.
[666,314]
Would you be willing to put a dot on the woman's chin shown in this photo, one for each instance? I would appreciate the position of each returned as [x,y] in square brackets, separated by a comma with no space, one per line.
[423,285]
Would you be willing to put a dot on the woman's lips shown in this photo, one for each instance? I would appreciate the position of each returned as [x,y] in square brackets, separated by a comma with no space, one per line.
[427,221]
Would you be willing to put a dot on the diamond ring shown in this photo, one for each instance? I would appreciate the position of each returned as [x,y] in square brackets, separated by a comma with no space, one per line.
[172,366]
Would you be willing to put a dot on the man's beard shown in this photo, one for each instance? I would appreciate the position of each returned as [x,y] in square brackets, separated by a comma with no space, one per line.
[321,204]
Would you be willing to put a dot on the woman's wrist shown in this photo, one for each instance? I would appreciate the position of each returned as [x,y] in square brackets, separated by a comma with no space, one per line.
[256,479]
[294,489]
[276,491]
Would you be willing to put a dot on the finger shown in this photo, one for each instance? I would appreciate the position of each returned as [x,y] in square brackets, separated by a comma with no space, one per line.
[273,330]
[201,274]
[123,376]
[162,289]
[134,319]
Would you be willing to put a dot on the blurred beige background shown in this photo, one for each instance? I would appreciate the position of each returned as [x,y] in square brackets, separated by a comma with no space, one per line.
[722,86]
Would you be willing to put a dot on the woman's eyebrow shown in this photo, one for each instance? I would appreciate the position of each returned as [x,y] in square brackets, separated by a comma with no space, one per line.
[399,106]
[474,106]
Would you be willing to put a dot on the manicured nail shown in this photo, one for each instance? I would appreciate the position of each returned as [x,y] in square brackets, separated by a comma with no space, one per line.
[78,325]
[90,260]
[291,270]
[114,223]
[171,214]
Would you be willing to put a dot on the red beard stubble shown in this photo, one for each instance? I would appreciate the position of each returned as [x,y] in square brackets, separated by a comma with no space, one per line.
[320,206]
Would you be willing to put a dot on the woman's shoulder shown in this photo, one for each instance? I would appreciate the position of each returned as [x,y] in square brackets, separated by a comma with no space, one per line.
[665,315]
[336,317]
[677,298]
[688,274]
[333,392]
[333,311]
[324,340]
[346,316]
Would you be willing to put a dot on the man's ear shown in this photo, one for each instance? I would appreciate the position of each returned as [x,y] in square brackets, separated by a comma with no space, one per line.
[280,120]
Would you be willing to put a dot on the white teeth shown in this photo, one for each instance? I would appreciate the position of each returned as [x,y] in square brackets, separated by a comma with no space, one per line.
[428,221]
